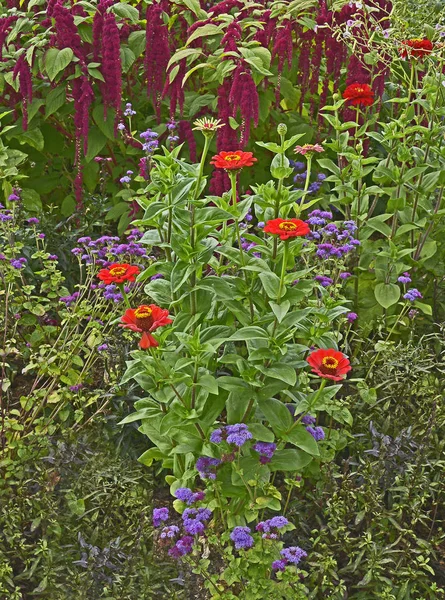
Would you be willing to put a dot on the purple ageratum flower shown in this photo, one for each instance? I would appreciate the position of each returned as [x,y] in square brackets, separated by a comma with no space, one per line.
[404,278]
[160,515]
[129,112]
[33,221]
[41,236]
[350,226]
[4,218]
[121,127]
[279,565]
[18,263]
[68,300]
[216,436]
[412,314]
[194,520]
[53,257]
[193,526]
[184,494]
[111,292]
[278,522]
[148,135]
[297,165]
[150,147]
[157,276]
[242,538]
[308,420]
[76,388]
[169,532]
[412,295]
[352,316]
[261,224]
[323,280]
[321,177]
[206,467]
[265,450]
[14,197]
[238,434]
[316,432]
[345,275]
[102,347]
[173,138]
[125,179]
[293,554]
[76,251]
[84,240]
[182,547]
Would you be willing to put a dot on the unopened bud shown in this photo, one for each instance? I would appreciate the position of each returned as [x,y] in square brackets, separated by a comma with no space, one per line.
[282,129]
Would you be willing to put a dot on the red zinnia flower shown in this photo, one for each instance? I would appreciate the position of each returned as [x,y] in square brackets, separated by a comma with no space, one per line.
[287,228]
[118,273]
[144,319]
[329,364]
[416,48]
[359,94]
[233,160]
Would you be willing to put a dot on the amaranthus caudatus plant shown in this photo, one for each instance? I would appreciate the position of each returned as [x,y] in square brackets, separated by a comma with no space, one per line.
[245,297]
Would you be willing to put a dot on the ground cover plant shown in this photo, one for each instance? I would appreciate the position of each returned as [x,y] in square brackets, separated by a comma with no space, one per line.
[222,293]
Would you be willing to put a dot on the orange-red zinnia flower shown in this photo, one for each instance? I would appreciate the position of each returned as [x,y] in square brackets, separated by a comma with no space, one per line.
[359,94]
[118,273]
[145,319]
[233,160]
[416,48]
[329,364]
[287,228]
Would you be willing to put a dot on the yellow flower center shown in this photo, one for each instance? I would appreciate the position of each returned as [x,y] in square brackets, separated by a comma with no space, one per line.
[118,271]
[287,226]
[330,362]
[143,312]
[232,157]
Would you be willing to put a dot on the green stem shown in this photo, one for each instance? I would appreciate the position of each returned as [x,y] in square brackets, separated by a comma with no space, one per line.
[312,403]
[283,270]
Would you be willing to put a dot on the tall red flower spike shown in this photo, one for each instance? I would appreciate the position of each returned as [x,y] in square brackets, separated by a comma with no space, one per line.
[145,319]
[329,364]
[287,228]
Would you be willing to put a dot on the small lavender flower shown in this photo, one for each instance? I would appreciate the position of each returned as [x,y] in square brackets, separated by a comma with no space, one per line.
[159,516]
[238,434]
[352,316]
[242,538]
[125,179]
[265,450]
[76,251]
[345,275]
[278,522]
[293,554]
[316,432]
[206,467]
[184,494]
[261,224]
[308,420]
[157,276]
[323,280]
[169,532]
[404,278]
[216,436]
[4,218]
[41,236]
[412,295]
[321,177]
[53,257]
[279,565]
[182,547]
[14,197]
[412,314]
[129,112]
[18,263]
[76,388]
[33,221]
[121,127]
[102,347]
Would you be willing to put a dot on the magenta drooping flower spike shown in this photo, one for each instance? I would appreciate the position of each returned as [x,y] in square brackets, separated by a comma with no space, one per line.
[157,53]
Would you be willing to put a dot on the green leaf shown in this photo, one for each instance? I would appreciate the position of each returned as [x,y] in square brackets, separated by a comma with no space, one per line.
[425,308]
[57,60]
[277,414]
[301,438]
[249,333]
[31,200]
[289,460]
[271,284]
[280,371]
[127,58]
[204,31]
[261,433]
[55,100]
[126,11]
[96,142]
[136,41]
[387,294]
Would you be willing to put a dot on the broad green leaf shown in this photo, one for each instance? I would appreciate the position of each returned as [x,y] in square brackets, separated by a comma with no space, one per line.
[289,460]
[387,294]
[249,333]
[277,414]
[57,60]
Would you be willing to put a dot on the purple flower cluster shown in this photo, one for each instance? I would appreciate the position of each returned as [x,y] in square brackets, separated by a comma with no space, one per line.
[335,240]
[15,195]
[316,432]
[102,347]
[129,112]
[319,217]
[18,263]
[404,278]
[237,434]
[108,249]
[189,497]
[182,547]
[194,520]
[150,139]
[68,300]
[308,420]
[169,532]
[241,536]
[111,292]
[270,529]
[265,450]
[412,295]
[352,316]
[293,554]
[323,280]
[76,388]
[206,467]
[126,178]
[33,221]
[159,516]
[4,217]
